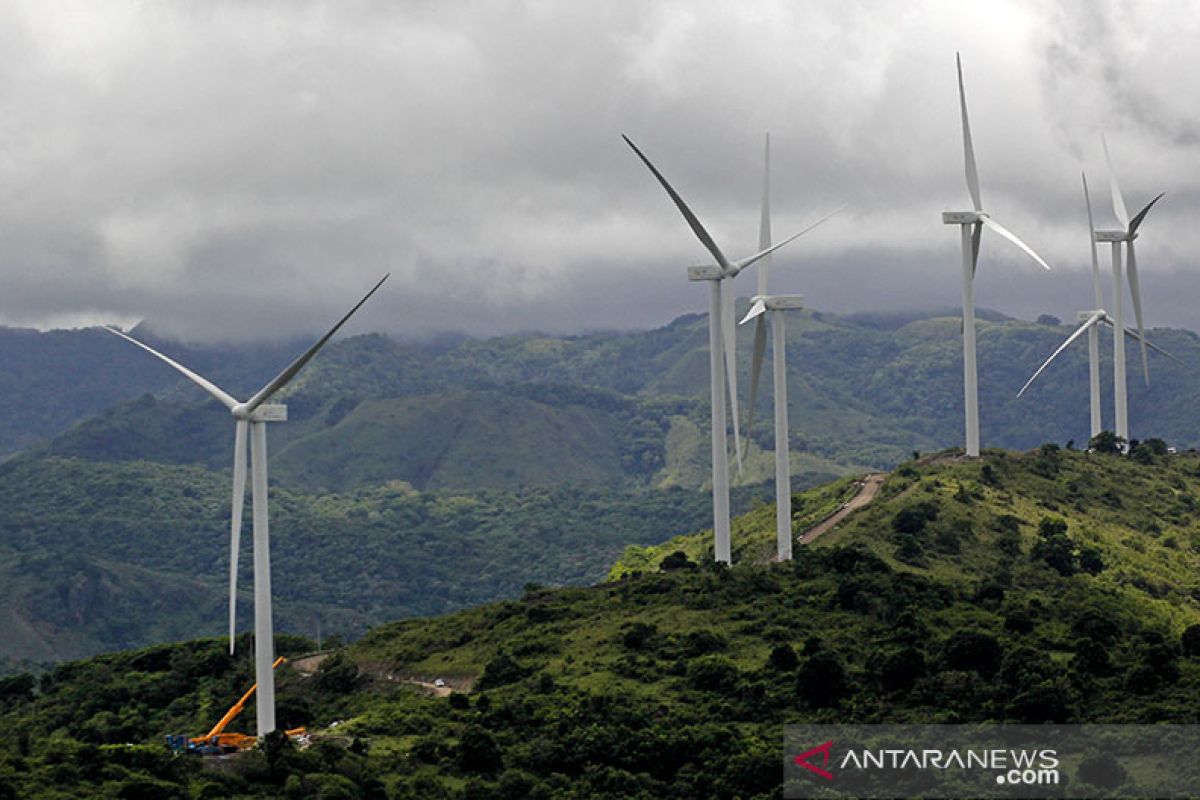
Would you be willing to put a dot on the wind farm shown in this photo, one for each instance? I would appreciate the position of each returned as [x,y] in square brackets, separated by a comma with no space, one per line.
[538,525]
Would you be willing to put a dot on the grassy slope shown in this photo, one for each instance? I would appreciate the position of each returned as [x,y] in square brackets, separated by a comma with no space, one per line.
[1150,542]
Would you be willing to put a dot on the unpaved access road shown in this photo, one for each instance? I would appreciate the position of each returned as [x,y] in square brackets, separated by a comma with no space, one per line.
[866,493]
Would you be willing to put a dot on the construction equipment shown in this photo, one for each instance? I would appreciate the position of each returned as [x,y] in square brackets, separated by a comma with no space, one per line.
[216,741]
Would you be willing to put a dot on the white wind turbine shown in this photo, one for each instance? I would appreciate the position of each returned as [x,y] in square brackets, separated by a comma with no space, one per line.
[776,304]
[720,340]
[1092,320]
[1126,234]
[972,224]
[251,417]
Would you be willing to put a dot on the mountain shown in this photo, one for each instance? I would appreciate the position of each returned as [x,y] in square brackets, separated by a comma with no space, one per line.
[624,409]
[50,381]
[1048,586]
[571,448]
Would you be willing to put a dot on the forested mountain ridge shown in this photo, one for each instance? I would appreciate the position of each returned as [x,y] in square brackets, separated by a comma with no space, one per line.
[625,409]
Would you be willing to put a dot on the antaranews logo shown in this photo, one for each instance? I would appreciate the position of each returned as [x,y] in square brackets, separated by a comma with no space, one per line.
[990,761]
[802,760]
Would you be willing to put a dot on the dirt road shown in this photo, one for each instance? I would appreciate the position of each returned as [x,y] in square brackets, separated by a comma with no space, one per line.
[866,493]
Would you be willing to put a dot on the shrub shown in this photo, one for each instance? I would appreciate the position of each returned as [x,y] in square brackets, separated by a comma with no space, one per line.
[821,681]
[640,636]
[783,658]
[501,671]
[1107,442]
[912,520]
[712,674]
[478,752]
[1054,547]
[902,669]
[676,561]
[1190,641]
[973,651]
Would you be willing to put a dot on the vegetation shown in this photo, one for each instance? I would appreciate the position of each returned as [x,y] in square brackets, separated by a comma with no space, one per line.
[602,409]
[97,557]
[978,604]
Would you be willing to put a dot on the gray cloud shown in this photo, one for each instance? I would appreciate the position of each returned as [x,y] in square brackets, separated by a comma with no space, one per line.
[247,169]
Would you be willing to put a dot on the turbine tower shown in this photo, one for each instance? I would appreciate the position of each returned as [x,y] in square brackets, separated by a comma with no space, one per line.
[1127,234]
[720,339]
[1092,320]
[972,223]
[761,303]
[251,419]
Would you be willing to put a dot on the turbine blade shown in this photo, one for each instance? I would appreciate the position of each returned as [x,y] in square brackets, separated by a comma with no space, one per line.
[1135,290]
[1078,332]
[1097,291]
[729,334]
[760,348]
[976,238]
[1134,335]
[755,310]
[1118,199]
[748,262]
[235,528]
[1136,222]
[764,223]
[1155,348]
[216,391]
[1012,237]
[281,380]
[968,146]
[697,228]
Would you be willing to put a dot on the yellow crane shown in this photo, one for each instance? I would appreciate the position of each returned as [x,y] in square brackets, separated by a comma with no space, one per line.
[216,741]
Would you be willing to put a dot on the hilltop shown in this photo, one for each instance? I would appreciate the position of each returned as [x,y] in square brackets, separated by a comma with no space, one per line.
[1048,586]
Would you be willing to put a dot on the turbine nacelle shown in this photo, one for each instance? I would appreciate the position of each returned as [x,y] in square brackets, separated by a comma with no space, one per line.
[962,217]
[1084,316]
[784,302]
[1114,236]
[705,272]
[267,412]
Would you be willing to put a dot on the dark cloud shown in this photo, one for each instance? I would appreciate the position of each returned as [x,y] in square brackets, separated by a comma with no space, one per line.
[247,169]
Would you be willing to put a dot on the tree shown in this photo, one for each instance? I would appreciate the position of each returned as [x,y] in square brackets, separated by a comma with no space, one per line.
[675,561]
[501,671]
[1107,442]
[478,752]
[783,658]
[900,670]
[1055,548]
[1049,319]
[821,680]
[1190,641]
[973,650]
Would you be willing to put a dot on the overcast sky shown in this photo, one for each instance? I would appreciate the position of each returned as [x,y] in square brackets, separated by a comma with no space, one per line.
[244,169]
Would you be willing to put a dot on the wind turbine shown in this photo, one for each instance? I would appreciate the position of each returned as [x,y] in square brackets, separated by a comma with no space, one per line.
[761,303]
[1126,234]
[251,418]
[1092,320]
[720,339]
[972,224]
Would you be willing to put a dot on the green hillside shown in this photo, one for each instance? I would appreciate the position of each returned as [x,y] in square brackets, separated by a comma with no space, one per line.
[602,409]
[97,557]
[1049,586]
